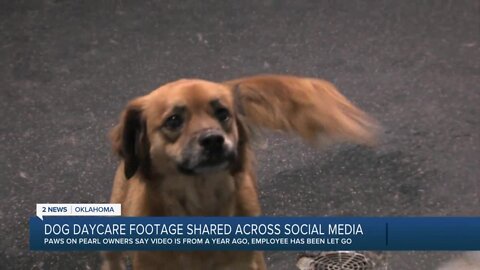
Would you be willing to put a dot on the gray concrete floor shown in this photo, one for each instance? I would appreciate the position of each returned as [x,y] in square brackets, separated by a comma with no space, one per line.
[68,68]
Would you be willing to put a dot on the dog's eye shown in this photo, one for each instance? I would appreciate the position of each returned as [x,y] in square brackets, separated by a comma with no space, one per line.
[173,122]
[222,114]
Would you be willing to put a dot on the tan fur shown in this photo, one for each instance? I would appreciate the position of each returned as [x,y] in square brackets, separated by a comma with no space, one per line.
[309,107]
[306,106]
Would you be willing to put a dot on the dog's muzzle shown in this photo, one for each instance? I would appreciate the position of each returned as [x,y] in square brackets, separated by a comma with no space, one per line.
[208,151]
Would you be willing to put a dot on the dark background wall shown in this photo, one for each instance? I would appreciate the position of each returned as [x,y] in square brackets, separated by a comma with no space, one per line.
[68,68]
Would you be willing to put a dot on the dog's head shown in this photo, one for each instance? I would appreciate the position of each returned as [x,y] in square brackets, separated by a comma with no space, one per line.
[198,127]
[188,126]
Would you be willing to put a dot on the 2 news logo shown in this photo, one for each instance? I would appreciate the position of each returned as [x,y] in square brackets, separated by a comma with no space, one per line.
[54,209]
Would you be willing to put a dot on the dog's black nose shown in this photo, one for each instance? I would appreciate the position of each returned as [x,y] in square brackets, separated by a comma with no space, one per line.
[212,142]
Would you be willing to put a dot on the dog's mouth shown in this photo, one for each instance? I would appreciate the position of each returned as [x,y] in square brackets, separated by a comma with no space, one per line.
[211,168]
[207,163]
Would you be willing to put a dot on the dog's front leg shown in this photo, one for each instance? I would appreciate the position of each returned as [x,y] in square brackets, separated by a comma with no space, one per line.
[113,261]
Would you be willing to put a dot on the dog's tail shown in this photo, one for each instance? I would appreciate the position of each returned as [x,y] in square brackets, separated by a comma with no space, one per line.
[312,108]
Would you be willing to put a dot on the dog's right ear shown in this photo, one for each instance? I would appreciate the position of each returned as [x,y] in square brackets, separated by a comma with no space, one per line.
[130,140]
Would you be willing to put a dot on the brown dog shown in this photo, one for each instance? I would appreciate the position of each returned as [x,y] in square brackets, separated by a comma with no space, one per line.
[185,152]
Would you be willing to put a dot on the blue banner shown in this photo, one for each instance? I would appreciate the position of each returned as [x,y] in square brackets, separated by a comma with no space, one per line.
[254,233]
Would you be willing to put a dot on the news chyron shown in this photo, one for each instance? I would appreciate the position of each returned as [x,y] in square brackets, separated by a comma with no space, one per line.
[69,227]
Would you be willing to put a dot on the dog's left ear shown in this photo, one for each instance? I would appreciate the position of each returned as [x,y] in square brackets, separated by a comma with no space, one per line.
[312,108]
[242,146]
[130,140]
